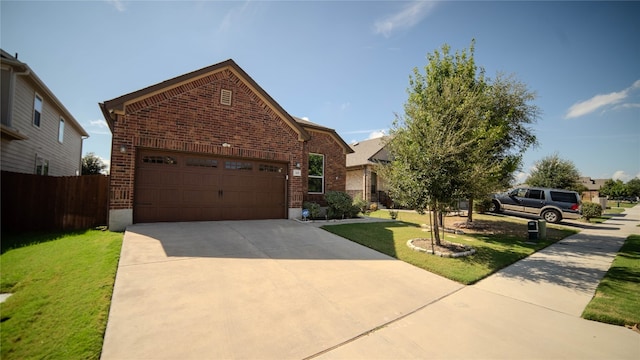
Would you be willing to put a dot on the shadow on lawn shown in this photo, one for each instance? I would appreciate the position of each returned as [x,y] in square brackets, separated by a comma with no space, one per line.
[14,241]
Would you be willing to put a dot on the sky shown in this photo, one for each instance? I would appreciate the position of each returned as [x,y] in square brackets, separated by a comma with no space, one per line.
[346,64]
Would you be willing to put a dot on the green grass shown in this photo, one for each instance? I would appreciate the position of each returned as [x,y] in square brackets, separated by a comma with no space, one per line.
[616,299]
[494,251]
[61,286]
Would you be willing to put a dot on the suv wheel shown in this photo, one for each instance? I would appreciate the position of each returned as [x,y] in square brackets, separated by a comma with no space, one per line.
[551,216]
[494,207]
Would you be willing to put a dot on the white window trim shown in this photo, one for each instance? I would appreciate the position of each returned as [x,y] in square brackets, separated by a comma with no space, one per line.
[61,130]
[318,177]
[33,115]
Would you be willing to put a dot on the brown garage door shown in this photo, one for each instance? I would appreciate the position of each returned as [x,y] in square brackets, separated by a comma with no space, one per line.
[190,187]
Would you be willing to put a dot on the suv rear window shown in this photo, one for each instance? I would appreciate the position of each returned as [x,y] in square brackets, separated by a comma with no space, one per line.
[567,197]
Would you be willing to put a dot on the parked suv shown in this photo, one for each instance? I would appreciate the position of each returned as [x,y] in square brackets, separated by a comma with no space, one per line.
[552,205]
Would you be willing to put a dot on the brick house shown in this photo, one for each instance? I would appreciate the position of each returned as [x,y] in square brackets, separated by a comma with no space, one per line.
[39,134]
[213,145]
[362,175]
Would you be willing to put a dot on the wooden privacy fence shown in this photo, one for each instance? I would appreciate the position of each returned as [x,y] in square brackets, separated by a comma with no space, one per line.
[49,203]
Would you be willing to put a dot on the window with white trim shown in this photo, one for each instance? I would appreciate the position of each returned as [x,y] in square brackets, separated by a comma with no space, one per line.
[42,166]
[37,110]
[316,174]
[61,131]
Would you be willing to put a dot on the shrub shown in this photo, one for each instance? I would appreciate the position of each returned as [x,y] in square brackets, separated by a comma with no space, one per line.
[482,206]
[314,209]
[591,210]
[360,203]
[393,214]
[340,205]
[373,207]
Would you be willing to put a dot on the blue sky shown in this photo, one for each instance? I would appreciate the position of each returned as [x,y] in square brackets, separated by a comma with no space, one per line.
[346,64]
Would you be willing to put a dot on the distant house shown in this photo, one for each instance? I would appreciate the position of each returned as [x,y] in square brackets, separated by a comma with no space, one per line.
[362,175]
[213,145]
[593,187]
[39,135]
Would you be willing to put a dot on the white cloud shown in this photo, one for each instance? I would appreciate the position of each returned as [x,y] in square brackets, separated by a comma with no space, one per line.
[621,175]
[345,106]
[98,127]
[106,162]
[521,177]
[601,100]
[408,17]
[376,134]
[118,4]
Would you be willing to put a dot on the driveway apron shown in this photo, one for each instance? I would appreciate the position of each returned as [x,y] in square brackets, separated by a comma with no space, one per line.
[273,289]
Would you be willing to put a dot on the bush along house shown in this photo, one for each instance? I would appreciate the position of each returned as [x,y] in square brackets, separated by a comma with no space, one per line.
[213,145]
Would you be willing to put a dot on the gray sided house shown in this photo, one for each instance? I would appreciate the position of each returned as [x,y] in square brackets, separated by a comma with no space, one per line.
[39,135]
[362,171]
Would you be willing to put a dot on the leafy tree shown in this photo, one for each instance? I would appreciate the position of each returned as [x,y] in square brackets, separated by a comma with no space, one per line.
[457,136]
[92,164]
[633,187]
[614,189]
[554,172]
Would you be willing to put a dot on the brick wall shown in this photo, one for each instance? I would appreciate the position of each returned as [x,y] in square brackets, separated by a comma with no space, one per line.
[190,118]
[335,173]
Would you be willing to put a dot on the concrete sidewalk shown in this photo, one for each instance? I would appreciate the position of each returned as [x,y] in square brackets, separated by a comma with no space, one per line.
[529,310]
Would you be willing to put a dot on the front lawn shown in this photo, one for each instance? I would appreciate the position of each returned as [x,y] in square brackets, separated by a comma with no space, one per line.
[616,299]
[503,242]
[61,286]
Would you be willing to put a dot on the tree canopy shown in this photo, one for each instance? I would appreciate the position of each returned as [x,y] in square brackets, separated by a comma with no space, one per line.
[461,135]
[554,172]
[92,164]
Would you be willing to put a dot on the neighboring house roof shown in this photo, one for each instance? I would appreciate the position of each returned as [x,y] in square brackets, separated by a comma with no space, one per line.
[118,104]
[313,126]
[592,184]
[368,152]
[19,66]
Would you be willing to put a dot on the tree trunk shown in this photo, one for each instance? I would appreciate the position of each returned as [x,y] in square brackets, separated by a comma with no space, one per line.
[436,229]
[470,212]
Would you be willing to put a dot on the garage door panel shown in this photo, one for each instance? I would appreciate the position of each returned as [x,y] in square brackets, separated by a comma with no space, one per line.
[188,187]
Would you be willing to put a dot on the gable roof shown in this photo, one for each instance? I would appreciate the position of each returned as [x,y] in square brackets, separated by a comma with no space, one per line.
[368,152]
[593,184]
[24,69]
[313,126]
[118,104]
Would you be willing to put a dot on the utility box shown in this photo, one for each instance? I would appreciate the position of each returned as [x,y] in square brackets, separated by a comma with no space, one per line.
[542,230]
[532,228]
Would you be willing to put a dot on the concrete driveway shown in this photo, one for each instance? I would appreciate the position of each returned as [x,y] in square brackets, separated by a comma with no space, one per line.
[254,289]
[286,290]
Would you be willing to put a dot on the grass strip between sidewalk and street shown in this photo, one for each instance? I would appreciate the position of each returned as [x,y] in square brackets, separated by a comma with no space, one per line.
[504,243]
[61,286]
[616,298]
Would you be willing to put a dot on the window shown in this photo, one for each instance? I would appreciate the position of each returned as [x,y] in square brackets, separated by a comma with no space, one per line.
[269,168]
[201,162]
[316,173]
[535,194]
[42,166]
[238,165]
[61,131]
[150,159]
[37,110]
[561,196]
